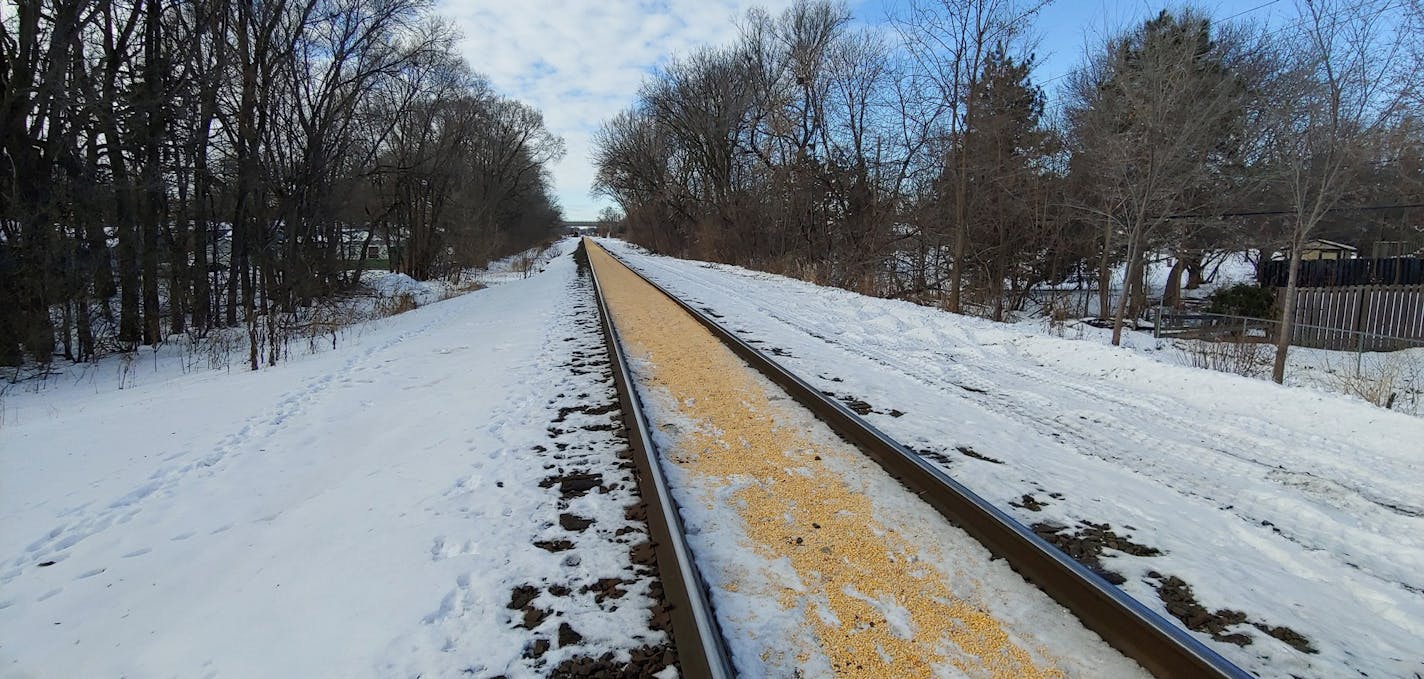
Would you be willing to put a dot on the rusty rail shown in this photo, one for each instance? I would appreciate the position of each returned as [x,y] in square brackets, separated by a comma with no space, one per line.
[701,650]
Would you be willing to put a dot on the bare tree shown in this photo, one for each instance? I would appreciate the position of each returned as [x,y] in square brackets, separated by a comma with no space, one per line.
[1151,124]
[1348,75]
[775,152]
[951,40]
[912,161]
[195,162]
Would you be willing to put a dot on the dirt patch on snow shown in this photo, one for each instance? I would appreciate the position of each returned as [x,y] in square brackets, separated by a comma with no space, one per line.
[970,452]
[1030,503]
[1182,603]
[857,405]
[579,468]
[1086,545]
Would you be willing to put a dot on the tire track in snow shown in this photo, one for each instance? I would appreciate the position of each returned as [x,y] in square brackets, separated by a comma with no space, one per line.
[1025,403]
[1109,430]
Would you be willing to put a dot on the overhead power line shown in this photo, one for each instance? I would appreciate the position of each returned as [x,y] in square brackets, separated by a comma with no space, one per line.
[1299,21]
[1244,12]
[1264,213]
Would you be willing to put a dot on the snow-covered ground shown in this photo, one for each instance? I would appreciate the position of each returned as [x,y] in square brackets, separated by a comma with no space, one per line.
[518,266]
[311,330]
[1371,374]
[371,510]
[390,285]
[1277,506]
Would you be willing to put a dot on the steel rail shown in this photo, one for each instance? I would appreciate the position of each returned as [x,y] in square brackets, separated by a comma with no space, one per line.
[701,650]
[1135,630]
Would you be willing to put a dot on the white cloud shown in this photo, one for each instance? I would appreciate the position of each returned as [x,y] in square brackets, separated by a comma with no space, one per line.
[581,61]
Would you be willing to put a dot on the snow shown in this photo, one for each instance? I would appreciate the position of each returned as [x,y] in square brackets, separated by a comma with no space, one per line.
[520,265]
[389,285]
[364,511]
[1296,507]
[1348,374]
[314,329]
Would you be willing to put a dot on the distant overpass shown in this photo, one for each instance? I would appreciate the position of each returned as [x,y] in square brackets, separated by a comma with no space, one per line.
[582,228]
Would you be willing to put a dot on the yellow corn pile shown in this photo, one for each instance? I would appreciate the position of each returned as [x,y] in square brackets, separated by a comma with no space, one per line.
[878,604]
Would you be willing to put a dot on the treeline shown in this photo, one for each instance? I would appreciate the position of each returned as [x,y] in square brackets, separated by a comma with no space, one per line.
[922,161]
[177,166]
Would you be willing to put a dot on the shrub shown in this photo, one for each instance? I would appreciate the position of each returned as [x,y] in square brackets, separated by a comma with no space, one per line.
[1238,356]
[1243,299]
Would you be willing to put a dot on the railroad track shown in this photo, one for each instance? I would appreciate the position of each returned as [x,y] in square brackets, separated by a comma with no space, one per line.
[1159,646]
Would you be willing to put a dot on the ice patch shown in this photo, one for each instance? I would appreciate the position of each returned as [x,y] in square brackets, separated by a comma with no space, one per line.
[896,616]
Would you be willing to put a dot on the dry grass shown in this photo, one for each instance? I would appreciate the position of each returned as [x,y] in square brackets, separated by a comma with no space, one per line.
[1058,312]
[1394,381]
[467,286]
[1236,356]
[533,259]
[390,306]
[317,328]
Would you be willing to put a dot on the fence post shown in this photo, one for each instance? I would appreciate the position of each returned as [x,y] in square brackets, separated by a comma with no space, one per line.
[1360,293]
[1359,351]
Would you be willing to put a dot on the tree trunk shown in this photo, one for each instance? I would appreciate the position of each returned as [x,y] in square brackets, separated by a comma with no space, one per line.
[1133,271]
[84,329]
[151,172]
[152,321]
[66,330]
[103,270]
[1105,270]
[1139,287]
[1172,295]
[1195,271]
[130,323]
[198,272]
[1287,325]
[178,274]
[961,224]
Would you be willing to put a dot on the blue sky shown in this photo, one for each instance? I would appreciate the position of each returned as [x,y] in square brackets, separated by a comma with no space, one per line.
[581,61]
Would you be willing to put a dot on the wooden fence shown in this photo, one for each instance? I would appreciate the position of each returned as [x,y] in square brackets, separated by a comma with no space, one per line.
[1340,272]
[1366,317]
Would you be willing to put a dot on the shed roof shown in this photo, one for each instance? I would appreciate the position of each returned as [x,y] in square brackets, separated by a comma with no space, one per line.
[1322,244]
